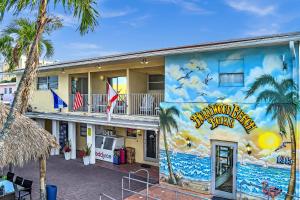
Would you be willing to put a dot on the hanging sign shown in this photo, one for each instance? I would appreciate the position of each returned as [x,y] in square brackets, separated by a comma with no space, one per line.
[223,114]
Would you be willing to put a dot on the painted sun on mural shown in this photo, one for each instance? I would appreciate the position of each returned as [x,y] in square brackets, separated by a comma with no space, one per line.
[221,101]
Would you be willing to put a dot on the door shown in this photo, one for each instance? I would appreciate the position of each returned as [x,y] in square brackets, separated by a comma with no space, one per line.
[150,146]
[224,158]
[63,134]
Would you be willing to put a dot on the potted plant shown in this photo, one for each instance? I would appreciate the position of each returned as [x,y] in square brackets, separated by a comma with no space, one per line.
[67,150]
[85,154]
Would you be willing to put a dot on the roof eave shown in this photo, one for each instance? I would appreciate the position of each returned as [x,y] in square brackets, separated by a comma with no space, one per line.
[230,44]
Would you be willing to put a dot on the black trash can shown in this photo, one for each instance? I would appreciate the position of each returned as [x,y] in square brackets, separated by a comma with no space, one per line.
[51,192]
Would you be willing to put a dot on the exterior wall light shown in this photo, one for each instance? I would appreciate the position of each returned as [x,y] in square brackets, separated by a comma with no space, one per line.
[249,149]
[102,78]
[144,61]
[63,71]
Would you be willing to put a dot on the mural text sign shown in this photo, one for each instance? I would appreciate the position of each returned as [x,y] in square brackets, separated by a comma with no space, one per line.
[223,114]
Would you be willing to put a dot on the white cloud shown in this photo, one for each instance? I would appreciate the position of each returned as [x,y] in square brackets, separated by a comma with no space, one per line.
[116,13]
[137,21]
[268,29]
[251,7]
[82,46]
[81,49]
[190,6]
[271,63]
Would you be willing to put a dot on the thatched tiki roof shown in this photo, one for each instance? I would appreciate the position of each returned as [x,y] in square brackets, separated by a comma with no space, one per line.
[26,141]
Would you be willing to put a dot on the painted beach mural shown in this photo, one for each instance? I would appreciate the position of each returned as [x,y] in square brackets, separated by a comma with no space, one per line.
[218,101]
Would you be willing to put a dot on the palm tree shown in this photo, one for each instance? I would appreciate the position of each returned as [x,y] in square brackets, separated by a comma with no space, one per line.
[18,37]
[282,99]
[167,123]
[86,14]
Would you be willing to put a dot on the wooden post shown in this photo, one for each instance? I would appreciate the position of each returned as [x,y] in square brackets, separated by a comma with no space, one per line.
[43,178]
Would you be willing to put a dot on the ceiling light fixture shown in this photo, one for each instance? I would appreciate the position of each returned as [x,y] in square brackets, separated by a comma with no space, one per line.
[144,61]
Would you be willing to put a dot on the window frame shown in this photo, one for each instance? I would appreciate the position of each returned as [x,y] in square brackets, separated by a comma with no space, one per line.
[156,82]
[48,83]
[222,73]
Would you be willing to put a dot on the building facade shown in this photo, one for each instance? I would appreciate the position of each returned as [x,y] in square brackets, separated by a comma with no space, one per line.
[237,129]
[234,137]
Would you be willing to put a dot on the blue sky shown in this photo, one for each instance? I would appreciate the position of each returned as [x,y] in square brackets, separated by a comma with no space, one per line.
[134,25]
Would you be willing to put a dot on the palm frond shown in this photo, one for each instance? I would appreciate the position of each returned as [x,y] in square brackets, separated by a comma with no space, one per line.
[49,49]
[262,81]
[269,96]
[288,85]
[85,11]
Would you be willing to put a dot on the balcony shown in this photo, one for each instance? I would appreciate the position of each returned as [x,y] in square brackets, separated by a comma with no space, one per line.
[142,104]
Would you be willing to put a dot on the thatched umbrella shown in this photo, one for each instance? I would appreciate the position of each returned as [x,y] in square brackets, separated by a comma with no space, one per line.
[26,141]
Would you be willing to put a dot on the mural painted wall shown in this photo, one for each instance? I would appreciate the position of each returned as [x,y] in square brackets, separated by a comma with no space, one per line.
[245,96]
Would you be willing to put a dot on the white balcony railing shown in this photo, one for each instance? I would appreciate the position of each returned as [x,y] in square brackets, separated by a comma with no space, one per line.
[84,108]
[146,104]
[100,102]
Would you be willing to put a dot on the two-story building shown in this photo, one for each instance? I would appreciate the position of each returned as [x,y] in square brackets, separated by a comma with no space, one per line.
[237,131]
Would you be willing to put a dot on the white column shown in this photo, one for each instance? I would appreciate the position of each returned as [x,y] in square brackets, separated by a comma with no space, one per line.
[89,92]
[55,133]
[41,122]
[72,138]
[90,141]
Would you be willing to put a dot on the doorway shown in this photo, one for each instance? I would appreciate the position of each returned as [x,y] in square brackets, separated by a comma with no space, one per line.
[63,134]
[224,158]
[151,146]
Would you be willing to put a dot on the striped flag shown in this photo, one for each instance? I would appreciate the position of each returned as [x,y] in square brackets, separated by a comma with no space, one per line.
[112,96]
[78,101]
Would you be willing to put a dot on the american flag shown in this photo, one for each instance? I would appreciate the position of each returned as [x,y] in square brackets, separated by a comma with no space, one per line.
[78,101]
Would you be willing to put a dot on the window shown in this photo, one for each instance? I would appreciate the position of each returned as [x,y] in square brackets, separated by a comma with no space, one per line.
[118,84]
[231,73]
[47,82]
[5,90]
[10,90]
[156,82]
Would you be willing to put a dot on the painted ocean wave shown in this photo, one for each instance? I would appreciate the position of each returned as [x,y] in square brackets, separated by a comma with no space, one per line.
[196,168]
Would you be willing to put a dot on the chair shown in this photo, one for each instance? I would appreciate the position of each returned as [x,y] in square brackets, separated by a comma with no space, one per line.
[147,104]
[27,184]
[10,176]
[19,180]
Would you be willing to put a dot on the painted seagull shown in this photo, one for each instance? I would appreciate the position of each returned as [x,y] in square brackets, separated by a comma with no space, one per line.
[187,76]
[200,68]
[283,145]
[179,87]
[207,79]
[183,69]
[221,98]
[202,93]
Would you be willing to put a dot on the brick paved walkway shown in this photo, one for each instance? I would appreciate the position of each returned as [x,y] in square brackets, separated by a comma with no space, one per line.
[75,181]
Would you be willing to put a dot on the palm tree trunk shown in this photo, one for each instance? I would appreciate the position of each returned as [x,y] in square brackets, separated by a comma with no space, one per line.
[292,183]
[42,178]
[25,85]
[171,174]
[22,94]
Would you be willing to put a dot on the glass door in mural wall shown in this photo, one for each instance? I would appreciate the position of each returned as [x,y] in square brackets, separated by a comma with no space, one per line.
[224,156]
[151,146]
[63,134]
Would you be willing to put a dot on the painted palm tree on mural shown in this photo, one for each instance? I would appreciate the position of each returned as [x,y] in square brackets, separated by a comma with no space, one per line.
[282,99]
[167,123]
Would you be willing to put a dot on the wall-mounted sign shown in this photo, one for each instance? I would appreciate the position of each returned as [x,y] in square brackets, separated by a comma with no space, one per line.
[89,132]
[223,114]
[284,160]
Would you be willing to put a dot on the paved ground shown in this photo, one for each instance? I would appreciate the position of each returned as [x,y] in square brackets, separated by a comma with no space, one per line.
[75,181]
